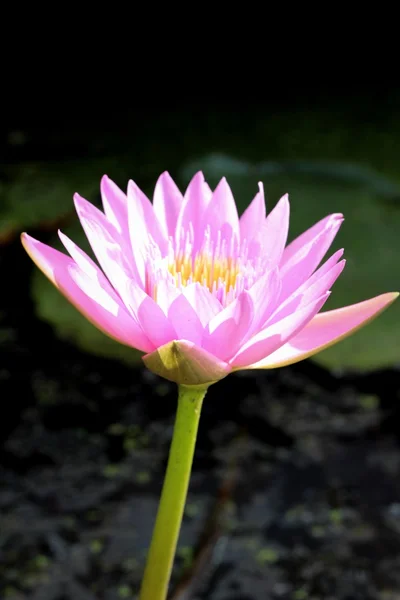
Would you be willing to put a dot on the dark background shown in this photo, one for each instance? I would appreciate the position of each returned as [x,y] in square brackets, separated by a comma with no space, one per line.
[295,487]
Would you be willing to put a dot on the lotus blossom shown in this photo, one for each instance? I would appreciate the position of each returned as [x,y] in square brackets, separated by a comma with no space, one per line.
[200,291]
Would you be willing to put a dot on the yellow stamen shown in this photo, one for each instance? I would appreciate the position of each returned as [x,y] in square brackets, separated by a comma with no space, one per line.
[204,269]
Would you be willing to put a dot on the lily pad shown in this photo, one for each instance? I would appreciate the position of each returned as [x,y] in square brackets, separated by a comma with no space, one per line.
[370,203]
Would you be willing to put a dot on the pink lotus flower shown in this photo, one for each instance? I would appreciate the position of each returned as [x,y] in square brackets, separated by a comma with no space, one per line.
[198,290]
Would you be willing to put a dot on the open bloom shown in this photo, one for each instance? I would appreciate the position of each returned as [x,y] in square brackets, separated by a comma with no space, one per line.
[198,290]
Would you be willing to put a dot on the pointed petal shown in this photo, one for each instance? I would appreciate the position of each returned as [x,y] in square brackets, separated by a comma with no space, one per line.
[299,266]
[221,216]
[319,283]
[225,332]
[275,231]
[148,314]
[167,202]
[271,338]
[115,204]
[195,202]
[186,364]
[327,266]
[203,302]
[253,216]
[143,221]
[309,235]
[107,245]
[45,257]
[265,295]
[94,298]
[85,263]
[166,293]
[185,321]
[326,329]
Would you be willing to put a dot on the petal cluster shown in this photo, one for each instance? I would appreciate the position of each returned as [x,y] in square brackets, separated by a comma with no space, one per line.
[199,290]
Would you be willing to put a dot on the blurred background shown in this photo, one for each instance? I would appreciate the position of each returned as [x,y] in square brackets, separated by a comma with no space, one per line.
[295,488]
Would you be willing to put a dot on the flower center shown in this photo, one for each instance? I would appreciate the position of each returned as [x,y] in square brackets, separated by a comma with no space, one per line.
[215,264]
[221,266]
[206,269]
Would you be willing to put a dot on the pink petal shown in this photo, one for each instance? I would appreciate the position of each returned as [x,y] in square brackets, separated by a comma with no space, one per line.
[94,298]
[85,263]
[166,293]
[317,275]
[297,267]
[275,231]
[326,329]
[195,202]
[185,321]
[271,338]
[225,332]
[313,288]
[148,314]
[328,264]
[187,364]
[264,294]
[44,257]
[108,246]
[115,204]
[309,235]
[167,202]
[221,216]
[143,221]
[203,302]
[253,216]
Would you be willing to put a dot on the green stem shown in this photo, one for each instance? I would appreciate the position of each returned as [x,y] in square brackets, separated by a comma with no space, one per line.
[172,503]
